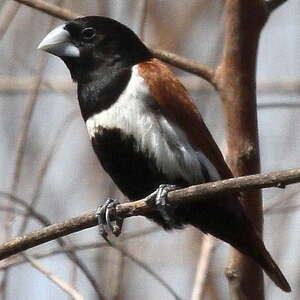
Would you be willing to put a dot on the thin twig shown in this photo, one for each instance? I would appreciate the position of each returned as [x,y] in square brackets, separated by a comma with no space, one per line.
[27,116]
[20,150]
[41,218]
[21,140]
[142,15]
[13,210]
[50,9]
[143,208]
[69,249]
[60,241]
[203,267]
[117,273]
[62,129]
[19,157]
[20,260]
[59,282]
[65,85]
[185,64]
[16,260]
[146,268]
[8,12]
[43,169]
[73,275]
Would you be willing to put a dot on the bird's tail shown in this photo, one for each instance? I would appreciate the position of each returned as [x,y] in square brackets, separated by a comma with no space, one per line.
[227,221]
[252,245]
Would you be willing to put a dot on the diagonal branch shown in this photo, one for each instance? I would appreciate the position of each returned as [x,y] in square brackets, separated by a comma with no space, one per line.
[8,12]
[185,64]
[70,253]
[207,247]
[147,269]
[17,260]
[143,208]
[50,9]
[44,167]
[55,279]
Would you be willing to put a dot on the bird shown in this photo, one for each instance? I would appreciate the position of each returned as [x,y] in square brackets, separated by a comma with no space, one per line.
[149,135]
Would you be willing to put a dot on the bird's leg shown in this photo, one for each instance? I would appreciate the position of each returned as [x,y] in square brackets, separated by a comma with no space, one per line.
[159,198]
[106,215]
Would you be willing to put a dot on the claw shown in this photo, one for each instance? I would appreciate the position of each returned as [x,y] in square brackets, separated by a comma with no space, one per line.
[159,198]
[106,215]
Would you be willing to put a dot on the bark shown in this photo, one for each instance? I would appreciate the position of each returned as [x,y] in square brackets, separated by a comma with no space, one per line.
[236,82]
[143,207]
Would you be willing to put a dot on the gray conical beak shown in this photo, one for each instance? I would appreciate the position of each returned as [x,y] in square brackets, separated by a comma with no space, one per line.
[58,42]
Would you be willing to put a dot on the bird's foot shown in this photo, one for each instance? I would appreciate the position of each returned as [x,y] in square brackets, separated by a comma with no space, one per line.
[159,199]
[107,218]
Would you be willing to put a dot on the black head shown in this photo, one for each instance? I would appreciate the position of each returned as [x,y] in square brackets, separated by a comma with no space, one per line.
[90,43]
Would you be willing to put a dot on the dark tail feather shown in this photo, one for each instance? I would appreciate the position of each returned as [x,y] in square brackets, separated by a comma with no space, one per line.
[227,221]
[233,227]
[250,244]
[255,248]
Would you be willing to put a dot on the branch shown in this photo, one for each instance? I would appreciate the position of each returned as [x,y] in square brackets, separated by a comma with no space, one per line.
[142,11]
[147,269]
[236,82]
[24,130]
[56,280]
[143,208]
[8,12]
[17,260]
[207,247]
[20,151]
[185,64]
[180,62]
[42,171]
[61,84]
[50,9]
[60,241]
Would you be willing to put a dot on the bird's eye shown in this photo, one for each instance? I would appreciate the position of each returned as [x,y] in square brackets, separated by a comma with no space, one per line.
[88,33]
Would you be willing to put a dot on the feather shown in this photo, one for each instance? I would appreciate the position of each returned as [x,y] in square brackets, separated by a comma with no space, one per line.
[176,104]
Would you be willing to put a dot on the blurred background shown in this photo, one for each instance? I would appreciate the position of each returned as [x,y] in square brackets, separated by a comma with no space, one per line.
[47,161]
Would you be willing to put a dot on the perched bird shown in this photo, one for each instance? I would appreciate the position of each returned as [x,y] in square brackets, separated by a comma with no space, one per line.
[147,133]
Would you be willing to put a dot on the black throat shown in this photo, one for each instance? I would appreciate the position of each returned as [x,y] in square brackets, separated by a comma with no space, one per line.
[103,90]
[101,82]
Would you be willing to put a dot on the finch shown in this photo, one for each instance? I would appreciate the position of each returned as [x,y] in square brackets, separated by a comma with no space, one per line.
[147,133]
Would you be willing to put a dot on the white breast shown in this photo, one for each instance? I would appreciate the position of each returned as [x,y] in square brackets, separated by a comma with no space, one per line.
[155,135]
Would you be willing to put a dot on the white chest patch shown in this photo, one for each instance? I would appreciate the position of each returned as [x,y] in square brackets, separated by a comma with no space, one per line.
[155,135]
